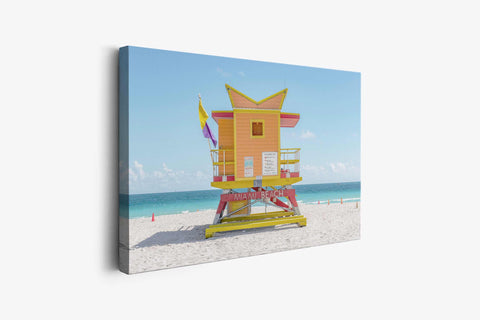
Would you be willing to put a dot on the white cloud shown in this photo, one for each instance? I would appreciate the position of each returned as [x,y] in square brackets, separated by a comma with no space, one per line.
[158,174]
[311,169]
[132,175]
[139,168]
[165,179]
[201,175]
[329,172]
[241,73]
[223,73]
[338,167]
[307,134]
[169,171]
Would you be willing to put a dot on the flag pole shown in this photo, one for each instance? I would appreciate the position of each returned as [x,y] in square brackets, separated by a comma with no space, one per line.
[209,145]
[211,156]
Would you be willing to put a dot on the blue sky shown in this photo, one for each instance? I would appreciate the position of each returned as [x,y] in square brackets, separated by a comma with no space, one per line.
[167,149]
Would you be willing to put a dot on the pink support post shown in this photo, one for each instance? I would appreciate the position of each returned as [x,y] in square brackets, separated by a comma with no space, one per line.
[221,207]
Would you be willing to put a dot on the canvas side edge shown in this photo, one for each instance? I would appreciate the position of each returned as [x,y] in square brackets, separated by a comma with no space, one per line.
[123,160]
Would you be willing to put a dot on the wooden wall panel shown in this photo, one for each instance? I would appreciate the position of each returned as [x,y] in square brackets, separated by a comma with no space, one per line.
[248,146]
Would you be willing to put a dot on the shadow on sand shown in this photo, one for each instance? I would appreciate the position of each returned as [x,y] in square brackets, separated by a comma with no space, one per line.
[197,234]
[182,235]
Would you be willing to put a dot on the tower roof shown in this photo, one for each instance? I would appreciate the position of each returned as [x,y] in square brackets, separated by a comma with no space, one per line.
[241,101]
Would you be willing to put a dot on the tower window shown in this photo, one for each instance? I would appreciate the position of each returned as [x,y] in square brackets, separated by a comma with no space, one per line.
[257,128]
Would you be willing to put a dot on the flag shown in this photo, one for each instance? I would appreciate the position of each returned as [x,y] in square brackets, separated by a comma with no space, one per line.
[208,134]
[203,115]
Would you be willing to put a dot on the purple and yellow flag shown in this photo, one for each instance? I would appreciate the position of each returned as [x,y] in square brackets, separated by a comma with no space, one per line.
[208,134]
[203,115]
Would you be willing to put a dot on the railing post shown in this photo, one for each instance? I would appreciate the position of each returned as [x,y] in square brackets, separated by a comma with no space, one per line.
[297,165]
[213,162]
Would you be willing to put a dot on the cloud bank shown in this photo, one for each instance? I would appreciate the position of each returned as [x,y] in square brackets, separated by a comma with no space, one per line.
[165,179]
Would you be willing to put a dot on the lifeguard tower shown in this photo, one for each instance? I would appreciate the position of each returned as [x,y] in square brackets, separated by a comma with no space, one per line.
[249,156]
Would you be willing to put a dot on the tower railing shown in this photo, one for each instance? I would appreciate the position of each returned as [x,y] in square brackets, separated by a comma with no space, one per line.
[219,161]
[290,160]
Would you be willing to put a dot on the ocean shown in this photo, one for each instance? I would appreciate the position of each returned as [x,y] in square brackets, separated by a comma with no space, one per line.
[143,205]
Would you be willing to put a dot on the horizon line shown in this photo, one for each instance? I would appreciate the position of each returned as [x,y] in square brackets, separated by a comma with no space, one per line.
[300,184]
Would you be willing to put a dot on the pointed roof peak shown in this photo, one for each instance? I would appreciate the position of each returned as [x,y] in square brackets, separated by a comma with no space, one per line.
[242,101]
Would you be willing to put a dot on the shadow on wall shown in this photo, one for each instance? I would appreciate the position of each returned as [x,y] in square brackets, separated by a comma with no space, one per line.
[110,165]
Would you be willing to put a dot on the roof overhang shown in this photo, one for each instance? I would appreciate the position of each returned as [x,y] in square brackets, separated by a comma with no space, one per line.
[289,120]
[217,115]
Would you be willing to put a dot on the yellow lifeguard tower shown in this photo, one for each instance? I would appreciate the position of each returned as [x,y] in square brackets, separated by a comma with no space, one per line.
[249,156]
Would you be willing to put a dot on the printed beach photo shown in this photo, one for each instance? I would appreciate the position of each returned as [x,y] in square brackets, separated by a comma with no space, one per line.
[223,158]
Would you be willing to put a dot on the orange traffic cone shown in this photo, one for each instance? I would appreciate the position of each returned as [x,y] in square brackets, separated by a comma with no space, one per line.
[153,216]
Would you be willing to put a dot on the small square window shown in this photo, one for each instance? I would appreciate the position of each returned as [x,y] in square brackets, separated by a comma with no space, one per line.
[257,129]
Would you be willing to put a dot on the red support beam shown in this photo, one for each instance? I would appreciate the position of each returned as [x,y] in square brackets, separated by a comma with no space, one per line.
[280,203]
[221,206]
[293,201]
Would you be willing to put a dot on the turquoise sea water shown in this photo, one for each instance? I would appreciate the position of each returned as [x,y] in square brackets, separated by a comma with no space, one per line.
[143,205]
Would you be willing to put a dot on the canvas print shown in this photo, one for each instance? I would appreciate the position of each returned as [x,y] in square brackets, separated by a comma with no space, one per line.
[223,158]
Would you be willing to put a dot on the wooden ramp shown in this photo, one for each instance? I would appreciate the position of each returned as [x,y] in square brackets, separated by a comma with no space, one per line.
[258,220]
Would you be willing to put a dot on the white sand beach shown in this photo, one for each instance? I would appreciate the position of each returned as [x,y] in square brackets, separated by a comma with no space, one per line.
[179,239]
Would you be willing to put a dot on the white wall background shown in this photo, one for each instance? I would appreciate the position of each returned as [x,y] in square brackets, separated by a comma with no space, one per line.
[419,253]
